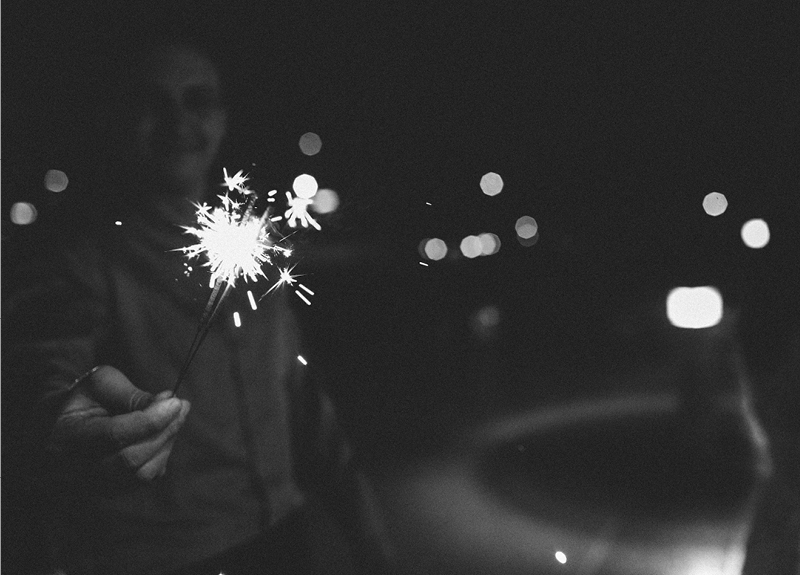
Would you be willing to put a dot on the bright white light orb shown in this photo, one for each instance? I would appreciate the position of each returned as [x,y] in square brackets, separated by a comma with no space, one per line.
[715,204]
[305,186]
[434,249]
[491,184]
[560,557]
[471,247]
[325,201]
[310,143]
[755,233]
[55,181]
[694,307]
[490,244]
[23,213]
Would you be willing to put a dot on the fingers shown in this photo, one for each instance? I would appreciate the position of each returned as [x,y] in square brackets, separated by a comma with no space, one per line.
[148,458]
[119,431]
[114,391]
[157,465]
[140,426]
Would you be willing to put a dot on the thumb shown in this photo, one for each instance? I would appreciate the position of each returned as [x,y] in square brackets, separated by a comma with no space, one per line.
[114,391]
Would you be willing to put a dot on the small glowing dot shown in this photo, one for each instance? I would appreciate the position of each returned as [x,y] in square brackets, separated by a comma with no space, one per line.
[491,184]
[526,227]
[310,143]
[715,204]
[325,201]
[305,186]
[55,180]
[118,223]
[23,213]
[694,307]
[434,249]
[252,300]
[471,246]
[755,234]
[237,320]
[302,360]
[560,557]
[490,244]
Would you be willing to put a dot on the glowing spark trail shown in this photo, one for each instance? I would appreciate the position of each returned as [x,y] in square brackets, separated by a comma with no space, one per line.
[298,210]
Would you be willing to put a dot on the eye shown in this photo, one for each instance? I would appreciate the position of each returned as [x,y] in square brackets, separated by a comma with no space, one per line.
[201,100]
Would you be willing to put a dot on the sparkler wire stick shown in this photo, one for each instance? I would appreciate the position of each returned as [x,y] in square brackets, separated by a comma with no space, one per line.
[214,301]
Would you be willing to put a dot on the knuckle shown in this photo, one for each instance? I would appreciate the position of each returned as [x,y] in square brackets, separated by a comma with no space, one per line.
[128,459]
[148,473]
[139,400]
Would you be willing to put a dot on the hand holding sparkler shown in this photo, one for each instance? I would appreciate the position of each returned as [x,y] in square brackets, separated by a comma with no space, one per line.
[114,430]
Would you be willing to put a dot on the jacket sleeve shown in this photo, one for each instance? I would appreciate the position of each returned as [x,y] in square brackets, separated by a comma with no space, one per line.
[54,321]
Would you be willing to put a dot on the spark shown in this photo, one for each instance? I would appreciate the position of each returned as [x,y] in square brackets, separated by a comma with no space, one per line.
[252,300]
[298,210]
[285,277]
[235,182]
[302,360]
[302,297]
[237,319]
[236,243]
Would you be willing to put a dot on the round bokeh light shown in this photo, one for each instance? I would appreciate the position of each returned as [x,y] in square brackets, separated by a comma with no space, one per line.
[23,213]
[755,233]
[55,181]
[305,186]
[310,143]
[715,204]
[491,184]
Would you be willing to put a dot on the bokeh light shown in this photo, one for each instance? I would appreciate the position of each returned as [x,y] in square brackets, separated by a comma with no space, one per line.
[694,307]
[434,249]
[325,201]
[55,181]
[527,231]
[755,233]
[491,184]
[485,322]
[310,143]
[560,557]
[23,213]
[526,227]
[305,186]
[715,204]
[490,244]
[471,246]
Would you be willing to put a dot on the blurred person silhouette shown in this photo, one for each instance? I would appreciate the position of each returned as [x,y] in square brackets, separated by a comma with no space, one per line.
[247,471]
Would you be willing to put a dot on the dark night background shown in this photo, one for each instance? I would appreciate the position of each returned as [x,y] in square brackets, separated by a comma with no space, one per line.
[608,123]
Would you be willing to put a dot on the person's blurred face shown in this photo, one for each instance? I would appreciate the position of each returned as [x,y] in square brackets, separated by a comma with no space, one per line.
[178,120]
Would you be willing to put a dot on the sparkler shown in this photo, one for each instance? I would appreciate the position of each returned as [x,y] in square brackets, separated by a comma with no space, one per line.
[236,244]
